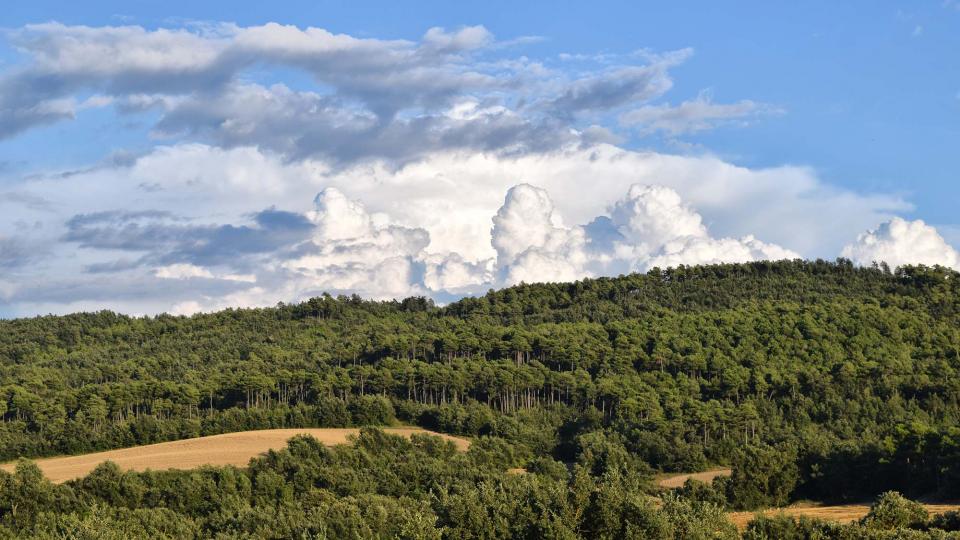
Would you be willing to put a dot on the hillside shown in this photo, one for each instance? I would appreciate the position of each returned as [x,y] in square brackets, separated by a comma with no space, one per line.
[811,380]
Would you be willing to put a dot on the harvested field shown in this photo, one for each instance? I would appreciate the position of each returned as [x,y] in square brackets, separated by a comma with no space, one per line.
[841,513]
[674,481]
[226,449]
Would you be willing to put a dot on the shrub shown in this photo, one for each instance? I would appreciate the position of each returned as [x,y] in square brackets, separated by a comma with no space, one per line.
[893,511]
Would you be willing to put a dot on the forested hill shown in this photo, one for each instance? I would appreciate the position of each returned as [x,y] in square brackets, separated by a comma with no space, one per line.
[841,378]
[714,287]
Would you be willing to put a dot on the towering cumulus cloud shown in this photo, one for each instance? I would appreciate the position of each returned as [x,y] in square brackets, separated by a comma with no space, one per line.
[650,226]
[898,242]
[531,245]
[353,251]
[657,229]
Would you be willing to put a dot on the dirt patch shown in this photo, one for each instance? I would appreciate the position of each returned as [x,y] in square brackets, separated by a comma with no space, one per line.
[845,513]
[674,481]
[227,449]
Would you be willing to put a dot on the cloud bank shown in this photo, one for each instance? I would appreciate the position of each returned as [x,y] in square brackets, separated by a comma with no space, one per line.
[284,162]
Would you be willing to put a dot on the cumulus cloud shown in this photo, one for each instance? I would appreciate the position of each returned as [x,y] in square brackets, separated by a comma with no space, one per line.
[352,250]
[453,275]
[705,250]
[650,216]
[530,242]
[650,226]
[900,242]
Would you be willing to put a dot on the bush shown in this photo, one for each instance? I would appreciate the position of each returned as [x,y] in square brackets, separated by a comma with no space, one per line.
[783,527]
[894,511]
[763,476]
[331,412]
[695,490]
[948,521]
[696,520]
[371,411]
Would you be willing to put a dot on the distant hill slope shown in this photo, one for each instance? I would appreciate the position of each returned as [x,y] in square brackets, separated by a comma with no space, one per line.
[849,373]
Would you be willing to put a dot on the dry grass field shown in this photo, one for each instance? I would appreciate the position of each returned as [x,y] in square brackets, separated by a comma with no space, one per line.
[227,449]
[845,513]
[674,481]
[841,513]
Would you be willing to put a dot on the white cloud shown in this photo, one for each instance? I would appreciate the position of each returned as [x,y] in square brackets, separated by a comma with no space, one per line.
[425,228]
[190,271]
[453,275]
[453,194]
[694,250]
[658,229]
[650,226]
[692,116]
[650,216]
[530,242]
[110,51]
[898,242]
[182,271]
[352,250]
[465,39]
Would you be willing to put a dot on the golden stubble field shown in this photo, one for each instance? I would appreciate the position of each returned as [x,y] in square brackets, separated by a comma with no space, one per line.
[226,449]
[844,513]
[674,481]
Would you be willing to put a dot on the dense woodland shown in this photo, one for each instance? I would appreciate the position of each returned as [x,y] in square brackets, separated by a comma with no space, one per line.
[813,380]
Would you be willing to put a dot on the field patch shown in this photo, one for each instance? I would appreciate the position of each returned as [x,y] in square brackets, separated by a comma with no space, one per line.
[227,449]
[844,513]
[673,481]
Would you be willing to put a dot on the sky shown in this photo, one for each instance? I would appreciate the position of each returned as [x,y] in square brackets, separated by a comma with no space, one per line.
[191,156]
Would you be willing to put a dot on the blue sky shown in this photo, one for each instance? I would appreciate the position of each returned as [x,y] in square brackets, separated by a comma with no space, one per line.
[854,103]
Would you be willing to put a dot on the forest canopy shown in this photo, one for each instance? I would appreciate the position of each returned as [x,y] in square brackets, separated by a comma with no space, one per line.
[812,379]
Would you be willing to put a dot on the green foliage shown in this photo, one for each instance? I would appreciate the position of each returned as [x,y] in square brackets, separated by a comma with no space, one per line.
[781,527]
[762,476]
[694,490]
[813,379]
[892,511]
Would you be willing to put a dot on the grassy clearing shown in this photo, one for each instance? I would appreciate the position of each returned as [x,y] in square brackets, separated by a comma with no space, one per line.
[673,481]
[844,513]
